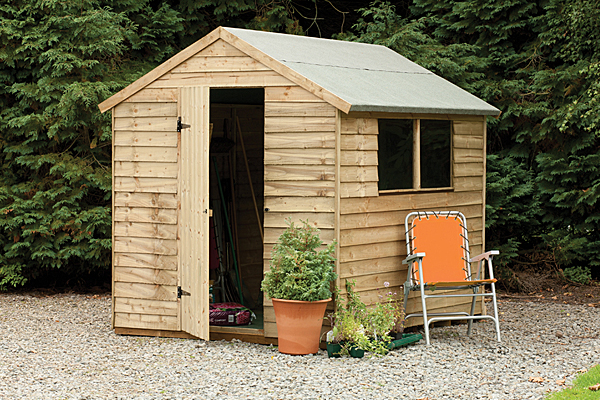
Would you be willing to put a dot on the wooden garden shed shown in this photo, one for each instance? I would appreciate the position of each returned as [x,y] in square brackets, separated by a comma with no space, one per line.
[348,136]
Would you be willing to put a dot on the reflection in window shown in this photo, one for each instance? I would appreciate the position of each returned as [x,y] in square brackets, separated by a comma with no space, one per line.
[395,154]
[396,162]
[435,153]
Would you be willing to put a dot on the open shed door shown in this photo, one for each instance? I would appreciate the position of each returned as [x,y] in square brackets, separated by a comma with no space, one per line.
[193,215]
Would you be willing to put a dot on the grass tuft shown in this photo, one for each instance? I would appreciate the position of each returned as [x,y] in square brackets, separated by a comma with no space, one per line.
[580,387]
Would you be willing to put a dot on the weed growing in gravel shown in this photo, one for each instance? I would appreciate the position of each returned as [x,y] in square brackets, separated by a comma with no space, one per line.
[585,387]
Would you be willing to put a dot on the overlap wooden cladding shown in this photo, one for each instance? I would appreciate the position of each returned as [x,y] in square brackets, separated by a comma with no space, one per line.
[312,158]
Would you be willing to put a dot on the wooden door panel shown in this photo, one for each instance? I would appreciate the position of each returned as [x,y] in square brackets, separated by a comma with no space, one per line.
[193,219]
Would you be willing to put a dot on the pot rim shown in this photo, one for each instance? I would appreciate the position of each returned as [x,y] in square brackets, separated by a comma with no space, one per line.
[302,301]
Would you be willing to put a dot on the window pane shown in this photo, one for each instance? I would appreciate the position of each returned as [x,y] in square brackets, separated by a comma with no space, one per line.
[435,153]
[395,154]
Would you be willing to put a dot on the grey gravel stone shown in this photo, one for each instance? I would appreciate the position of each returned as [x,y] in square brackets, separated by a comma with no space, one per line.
[62,347]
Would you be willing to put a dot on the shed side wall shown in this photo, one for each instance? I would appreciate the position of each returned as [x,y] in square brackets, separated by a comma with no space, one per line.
[372,238]
[145,211]
[300,168]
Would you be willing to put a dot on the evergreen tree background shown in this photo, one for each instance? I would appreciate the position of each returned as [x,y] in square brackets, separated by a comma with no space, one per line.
[537,61]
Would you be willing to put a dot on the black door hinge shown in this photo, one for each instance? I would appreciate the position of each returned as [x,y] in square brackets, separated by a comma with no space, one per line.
[181,292]
[181,126]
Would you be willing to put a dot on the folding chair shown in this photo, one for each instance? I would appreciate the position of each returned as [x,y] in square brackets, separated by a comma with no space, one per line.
[437,245]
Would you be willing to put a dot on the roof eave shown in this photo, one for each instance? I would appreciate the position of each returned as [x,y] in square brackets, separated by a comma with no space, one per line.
[492,111]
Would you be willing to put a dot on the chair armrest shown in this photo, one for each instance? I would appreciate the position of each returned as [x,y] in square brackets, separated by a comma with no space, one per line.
[485,255]
[412,258]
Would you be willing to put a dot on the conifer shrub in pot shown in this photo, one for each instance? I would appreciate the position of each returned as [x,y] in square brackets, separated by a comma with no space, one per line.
[299,283]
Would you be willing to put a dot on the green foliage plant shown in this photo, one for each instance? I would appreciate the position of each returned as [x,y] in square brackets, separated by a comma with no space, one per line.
[354,325]
[582,275]
[299,270]
[58,60]
[581,387]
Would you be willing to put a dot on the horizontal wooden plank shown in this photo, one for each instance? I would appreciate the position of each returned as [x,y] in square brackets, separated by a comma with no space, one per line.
[299,188]
[145,139]
[359,174]
[353,237]
[300,140]
[468,184]
[201,63]
[143,321]
[142,153]
[150,109]
[299,172]
[146,169]
[289,93]
[358,189]
[299,157]
[145,261]
[149,307]
[300,204]
[377,281]
[270,329]
[140,229]
[145,291]
[360,158]
[317,220]
[221,48]
[397,217]
[468,156]
[158,124]
[158,95]
[145,245]
[145,275]
[471,128]
[145,185]
[152,215]
[299,124]
[372,266]
[152,200]
[359,142]
[272,234]
[299,109]
[369,251]
[467,142]
[221,79]
[413,201]
[365,126]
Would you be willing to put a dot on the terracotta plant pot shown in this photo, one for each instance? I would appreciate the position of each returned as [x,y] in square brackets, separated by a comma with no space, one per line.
[299,325]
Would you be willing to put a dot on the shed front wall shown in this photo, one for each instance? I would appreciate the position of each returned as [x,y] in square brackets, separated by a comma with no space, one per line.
[299,179]
[300,169]
[145,214]
[372,233]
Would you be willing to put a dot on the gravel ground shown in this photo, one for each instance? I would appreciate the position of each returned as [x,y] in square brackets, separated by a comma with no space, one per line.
[62,347]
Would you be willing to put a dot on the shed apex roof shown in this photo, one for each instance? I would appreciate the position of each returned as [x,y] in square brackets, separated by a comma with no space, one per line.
[353,76]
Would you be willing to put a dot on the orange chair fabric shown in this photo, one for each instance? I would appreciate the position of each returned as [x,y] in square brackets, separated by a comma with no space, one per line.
[441,241]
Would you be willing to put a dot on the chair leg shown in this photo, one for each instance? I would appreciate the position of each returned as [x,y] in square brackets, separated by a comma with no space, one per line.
[475,291]
[406,293]
[425,320]
[496,320]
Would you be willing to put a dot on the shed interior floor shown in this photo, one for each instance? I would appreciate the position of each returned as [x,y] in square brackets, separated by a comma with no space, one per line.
[236,238]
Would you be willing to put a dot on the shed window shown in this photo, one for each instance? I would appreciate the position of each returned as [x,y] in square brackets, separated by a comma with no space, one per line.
[414,154]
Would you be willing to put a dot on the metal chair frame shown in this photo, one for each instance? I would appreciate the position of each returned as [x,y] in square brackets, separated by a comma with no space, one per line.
[413,283]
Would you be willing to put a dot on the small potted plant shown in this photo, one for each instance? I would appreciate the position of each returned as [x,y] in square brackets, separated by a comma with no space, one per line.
[359,328]
[299,283]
